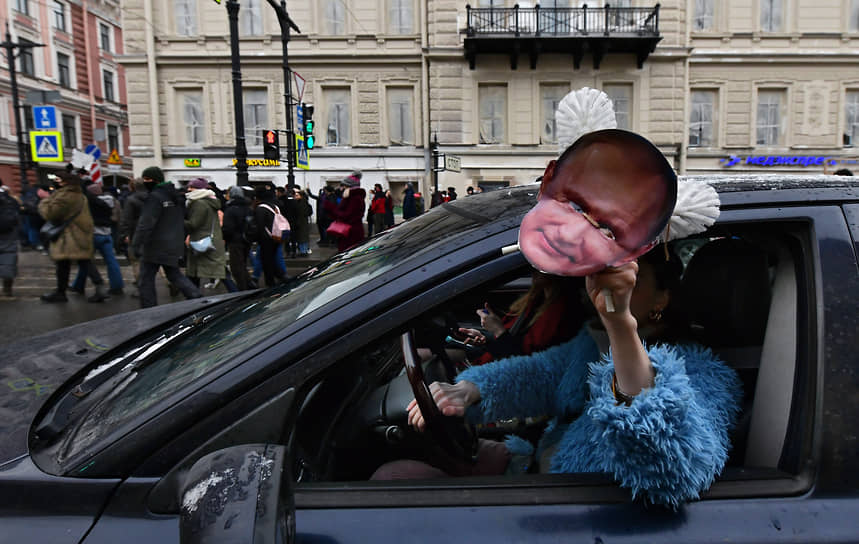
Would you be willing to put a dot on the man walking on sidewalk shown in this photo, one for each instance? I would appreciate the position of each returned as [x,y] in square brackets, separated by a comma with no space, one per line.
[159,237]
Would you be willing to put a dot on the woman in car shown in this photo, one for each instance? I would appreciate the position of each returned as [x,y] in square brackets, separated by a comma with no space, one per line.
[627,396]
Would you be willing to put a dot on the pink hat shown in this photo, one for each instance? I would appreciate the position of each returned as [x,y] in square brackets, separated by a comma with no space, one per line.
[199,183]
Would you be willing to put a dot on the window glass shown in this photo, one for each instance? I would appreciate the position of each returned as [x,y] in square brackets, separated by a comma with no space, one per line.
[621,97]
[104,36]
[853,24]
[492,101]
[107,79]
[186,17]
[851,122]
[550,97]
[338,116]
[703,19]
[702,118]
[70,132]
[250,18]
[554,20]
[401,16]
[113,138]
[400,124]
[772,19]
[256,115]
[335,17]
[192,116]
[22,6]
[769,117]
[27,62]
[59,16]
[63,70]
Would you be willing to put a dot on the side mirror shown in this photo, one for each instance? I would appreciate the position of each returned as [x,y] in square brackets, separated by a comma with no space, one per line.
[238,494]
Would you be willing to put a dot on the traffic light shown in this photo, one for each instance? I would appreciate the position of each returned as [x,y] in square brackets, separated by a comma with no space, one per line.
[270,145]
[309,140]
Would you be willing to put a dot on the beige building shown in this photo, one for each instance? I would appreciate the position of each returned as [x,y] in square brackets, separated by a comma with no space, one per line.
[751,85]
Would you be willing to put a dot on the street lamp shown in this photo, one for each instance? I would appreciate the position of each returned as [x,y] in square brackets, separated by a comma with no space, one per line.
[238,101]
[285,24]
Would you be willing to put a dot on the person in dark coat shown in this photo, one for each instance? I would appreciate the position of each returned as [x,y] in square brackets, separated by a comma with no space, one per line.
[266,204]
[301,224]
[10,214]
[236,218]
[451,194]
[159,238]
[131,209]
[350,210]
[409,208]
[322,219]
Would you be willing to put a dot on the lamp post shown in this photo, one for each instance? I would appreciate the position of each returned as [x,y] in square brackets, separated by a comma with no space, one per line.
[238,101]
[285,24]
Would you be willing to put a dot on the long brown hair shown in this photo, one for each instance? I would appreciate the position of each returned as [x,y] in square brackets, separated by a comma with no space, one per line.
[545,290]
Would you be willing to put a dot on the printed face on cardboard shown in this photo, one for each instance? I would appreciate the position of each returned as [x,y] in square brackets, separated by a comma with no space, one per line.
[602,204]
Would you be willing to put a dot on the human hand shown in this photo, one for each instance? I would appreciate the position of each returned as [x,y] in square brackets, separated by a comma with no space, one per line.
[490,321]
[451,399]
[42,193]
[473,336]
[617,282]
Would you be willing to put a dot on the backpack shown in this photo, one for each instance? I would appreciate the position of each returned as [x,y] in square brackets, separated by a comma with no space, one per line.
[278,224]
[250,231]
[8,213]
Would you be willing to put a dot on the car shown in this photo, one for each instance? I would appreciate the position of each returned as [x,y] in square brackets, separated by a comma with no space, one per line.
[260,416]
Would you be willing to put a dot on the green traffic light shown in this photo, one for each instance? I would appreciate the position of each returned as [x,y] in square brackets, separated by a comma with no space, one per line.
[309,141]
[308,127]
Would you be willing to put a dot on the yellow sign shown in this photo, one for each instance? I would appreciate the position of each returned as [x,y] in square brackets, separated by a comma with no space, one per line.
[260,162]
[46,145]
[114,158]
[192,163]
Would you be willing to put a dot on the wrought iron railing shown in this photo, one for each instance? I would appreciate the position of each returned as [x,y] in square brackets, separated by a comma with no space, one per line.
[537,21]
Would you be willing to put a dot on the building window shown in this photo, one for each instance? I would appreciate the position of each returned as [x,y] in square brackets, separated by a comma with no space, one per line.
[113,139]
[621,99]
[851,124]
[338,121]
[550,97]
[769,125]
[400,123]
[104,36]
[853,24]
[251,18]
[401,15]
[191,103]
[27,62]
[22,6]
[256,115]
[772,19]
[186,17]
[63,70]
[70,131]
[107,81]
[492,100]
[703,19]
[702,119]
[335,17]
[59,16]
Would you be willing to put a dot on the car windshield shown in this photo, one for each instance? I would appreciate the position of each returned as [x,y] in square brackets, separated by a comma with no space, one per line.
[213,341]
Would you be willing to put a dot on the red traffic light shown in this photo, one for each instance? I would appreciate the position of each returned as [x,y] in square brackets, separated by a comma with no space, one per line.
[269,137]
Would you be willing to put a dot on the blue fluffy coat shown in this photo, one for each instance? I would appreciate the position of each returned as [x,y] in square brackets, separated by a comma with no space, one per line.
[667,446]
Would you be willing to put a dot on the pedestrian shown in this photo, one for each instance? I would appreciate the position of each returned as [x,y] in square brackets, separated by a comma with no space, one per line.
[389,209]
[350,210]
[436,199]
[289,209]
[10,214]
[101,207]
[451,194]
[131,209]
[409,207]
[237,219]
[264,211]
[32,221]
[75,243]
[158,238]
[322,219]
[419,203]
[377,210]
[469,190]
[203,221]
[301,226]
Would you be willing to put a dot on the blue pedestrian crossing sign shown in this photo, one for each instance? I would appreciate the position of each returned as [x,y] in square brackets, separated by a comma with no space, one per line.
[303,160]
[45,117]
[46,145]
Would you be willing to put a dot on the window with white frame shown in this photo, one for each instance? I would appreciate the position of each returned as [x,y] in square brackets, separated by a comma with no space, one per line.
[772,15]
[851,120]
[338,117]
[550,97]
[185,12]
[59,10]
[64,73]
[70,131]
[702,118]
[621,98]
[104,32]
[250,17]
[113,139]
[191,110]
[770,117]
[853,18]
[401,16]
[107,84]
[256,115]
[334,17]
[492,104]
[22,6]
[401,127]
[703,18]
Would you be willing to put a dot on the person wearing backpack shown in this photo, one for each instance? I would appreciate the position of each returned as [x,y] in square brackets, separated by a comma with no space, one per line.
[10,210]
[238,236]
[270,225]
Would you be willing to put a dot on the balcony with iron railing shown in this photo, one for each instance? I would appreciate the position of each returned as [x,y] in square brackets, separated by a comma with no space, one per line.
[574,31]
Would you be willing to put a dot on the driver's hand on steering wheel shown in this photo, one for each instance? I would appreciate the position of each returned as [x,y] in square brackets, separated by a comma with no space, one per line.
[451,399]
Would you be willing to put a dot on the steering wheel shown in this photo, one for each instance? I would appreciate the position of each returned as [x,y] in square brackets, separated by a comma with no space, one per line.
[455,442]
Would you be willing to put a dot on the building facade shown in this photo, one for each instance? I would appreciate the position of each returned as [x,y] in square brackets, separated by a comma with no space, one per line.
[76,61]
[750,85]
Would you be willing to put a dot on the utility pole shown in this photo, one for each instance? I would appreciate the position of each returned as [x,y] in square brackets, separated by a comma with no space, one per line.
[434,157]
[13,82]
[238,101]
[285,24]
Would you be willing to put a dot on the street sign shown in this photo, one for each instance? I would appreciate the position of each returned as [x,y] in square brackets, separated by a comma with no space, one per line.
[299,84]
[301,153]
[46,145]
[299,117]
[114,168]
[45,117]
[114,158]
[452,163]
[93,150]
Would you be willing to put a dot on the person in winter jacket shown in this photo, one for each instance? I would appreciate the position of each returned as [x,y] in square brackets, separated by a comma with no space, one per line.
[131,209]
[301,226]
[264,209]
[75,243]
[101,206]
[409,207]
[350,210]
[377,209]
[322,219]
[238,239]
[159,237]
[203,220]
[10,216]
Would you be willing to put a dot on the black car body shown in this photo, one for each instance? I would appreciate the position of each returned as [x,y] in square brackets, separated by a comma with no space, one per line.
[111,422]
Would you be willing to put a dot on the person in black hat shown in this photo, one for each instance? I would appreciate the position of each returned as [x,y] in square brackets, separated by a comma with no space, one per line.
[265,206]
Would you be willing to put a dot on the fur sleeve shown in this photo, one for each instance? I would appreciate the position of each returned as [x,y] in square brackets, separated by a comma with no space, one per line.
[672,441]
[525,385]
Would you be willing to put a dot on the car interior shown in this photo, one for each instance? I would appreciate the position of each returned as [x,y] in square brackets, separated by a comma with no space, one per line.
[745,292]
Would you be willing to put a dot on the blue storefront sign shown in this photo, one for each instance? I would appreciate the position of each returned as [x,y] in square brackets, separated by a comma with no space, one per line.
[786,160]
